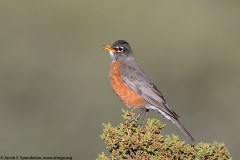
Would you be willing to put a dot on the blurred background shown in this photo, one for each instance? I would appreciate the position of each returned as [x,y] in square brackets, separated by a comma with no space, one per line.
[55,92]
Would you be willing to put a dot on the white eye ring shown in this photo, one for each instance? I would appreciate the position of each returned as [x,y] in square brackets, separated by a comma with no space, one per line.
[120,49]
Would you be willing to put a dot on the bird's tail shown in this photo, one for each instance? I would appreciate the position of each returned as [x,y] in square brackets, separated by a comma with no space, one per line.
[175,120]
[183,129]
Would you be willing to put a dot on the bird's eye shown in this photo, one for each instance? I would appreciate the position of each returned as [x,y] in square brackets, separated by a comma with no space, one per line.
[120,49]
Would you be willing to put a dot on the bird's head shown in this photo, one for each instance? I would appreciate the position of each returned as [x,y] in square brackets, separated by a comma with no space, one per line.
[119,50]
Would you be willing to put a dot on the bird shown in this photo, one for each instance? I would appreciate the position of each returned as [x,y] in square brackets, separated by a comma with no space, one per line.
[134,87]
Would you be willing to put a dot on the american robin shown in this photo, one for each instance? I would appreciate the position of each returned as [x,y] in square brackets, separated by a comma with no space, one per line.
[132,85]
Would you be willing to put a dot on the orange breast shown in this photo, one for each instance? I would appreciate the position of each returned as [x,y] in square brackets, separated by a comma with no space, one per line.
[126,94]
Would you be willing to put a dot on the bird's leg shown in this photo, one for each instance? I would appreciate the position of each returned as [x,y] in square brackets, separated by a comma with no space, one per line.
[141,113]
[145,114]
[136,118]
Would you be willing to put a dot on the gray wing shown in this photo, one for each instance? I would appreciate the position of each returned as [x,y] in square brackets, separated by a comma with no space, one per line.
[138,81]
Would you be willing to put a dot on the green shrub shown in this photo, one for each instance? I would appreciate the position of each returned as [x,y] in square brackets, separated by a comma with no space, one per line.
[130,141]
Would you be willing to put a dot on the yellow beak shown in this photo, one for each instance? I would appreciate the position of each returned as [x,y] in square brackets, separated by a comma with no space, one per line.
[109,48]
